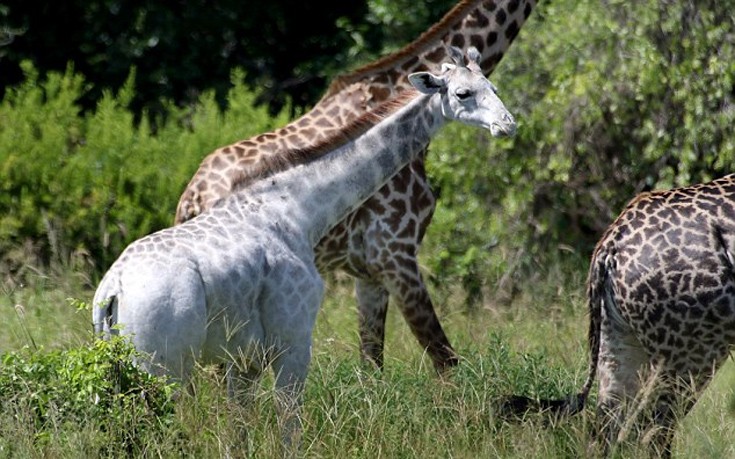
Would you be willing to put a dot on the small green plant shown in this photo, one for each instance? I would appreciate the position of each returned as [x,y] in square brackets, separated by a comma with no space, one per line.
[91,386]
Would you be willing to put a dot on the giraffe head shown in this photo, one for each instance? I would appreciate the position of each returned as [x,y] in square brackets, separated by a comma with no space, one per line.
[467,96]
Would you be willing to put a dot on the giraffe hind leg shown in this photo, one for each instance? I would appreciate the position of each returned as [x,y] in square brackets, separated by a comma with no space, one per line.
[408,288]
[677,395]
[623,365]
[372,303]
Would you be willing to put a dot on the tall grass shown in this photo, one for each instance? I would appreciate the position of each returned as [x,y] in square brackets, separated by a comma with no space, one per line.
[534,345]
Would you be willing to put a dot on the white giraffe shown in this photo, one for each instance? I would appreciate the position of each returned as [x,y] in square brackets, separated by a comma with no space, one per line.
[240,280]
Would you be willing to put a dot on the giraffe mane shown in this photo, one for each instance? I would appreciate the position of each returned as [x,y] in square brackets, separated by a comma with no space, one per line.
[451,18]
[268,165]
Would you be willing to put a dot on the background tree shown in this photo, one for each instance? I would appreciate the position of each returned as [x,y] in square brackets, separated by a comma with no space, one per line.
[613,98]
[642,98]
[288,48]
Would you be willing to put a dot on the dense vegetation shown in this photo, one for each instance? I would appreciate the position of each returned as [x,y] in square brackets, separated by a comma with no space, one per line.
[535,347]
[288,48]
[96,386]
[613,98]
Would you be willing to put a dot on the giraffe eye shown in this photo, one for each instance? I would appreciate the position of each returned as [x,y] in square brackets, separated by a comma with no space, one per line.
[463,93]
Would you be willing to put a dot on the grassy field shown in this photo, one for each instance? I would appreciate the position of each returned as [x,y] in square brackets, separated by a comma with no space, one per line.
[535,345]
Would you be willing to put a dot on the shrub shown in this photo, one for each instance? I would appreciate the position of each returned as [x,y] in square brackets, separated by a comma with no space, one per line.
[79,187]
[96,387]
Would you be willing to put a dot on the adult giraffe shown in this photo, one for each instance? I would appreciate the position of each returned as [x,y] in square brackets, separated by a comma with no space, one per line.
[378,243]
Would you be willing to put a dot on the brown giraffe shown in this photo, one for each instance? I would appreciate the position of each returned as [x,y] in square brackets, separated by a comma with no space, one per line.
[661,292]
[378,243]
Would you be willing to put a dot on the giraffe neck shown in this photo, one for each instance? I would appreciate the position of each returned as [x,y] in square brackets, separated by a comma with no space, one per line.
[488,25]
[318,194]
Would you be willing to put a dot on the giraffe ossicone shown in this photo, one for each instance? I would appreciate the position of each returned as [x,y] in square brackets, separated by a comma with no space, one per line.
[240,279]
[378,243]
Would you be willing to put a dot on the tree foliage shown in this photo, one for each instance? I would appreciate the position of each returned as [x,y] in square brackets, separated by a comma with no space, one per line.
[629,97]
[180,49]
[79,187]
[613,98]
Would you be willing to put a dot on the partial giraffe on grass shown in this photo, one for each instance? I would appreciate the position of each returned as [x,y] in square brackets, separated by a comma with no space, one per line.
[378,243]
[239,281]
[661,292]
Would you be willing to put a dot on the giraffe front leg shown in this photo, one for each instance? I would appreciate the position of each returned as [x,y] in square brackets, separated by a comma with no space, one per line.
[407,286]
[372,304]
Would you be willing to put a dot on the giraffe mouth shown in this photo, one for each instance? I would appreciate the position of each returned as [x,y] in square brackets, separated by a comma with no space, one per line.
[503,130]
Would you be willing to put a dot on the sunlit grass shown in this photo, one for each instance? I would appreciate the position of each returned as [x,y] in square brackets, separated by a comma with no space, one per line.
[535,345]
[43,313]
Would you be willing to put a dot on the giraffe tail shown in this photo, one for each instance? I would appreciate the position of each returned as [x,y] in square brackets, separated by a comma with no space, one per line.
[104,309]
[516,407]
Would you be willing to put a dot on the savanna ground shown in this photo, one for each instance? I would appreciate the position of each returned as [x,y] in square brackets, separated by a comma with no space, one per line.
[533,344]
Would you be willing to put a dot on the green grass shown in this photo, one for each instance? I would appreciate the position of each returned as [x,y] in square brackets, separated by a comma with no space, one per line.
[535,345]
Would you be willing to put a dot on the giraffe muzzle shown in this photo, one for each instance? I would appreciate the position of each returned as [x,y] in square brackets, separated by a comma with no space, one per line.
[506,128]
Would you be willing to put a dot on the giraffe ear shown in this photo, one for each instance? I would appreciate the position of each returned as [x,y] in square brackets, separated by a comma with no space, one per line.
[427,83]
[456,55]
[473,57]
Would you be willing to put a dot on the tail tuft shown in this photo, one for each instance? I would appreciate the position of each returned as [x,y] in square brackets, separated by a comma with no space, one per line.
[516,407]
[103,317]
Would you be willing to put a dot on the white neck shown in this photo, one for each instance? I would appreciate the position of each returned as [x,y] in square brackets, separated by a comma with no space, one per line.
[317,195]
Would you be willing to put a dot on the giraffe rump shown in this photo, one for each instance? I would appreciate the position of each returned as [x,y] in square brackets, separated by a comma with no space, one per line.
[661,293]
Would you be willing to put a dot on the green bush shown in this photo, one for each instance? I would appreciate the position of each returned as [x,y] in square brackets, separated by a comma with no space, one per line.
[95,387]
[612,99]
[80,186]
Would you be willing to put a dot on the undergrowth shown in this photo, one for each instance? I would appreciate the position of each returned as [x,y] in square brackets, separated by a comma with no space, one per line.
[85,398]
[51,395]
